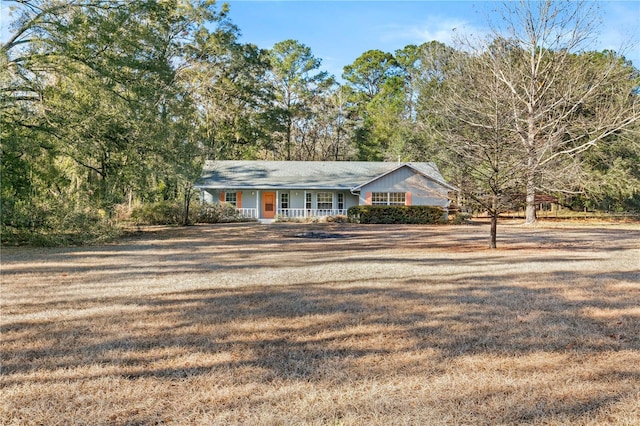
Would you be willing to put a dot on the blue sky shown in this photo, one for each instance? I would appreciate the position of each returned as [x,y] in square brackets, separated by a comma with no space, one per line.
[339,31]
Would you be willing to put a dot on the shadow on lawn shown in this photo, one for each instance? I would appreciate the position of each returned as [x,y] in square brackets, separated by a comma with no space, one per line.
[321,334]
[290,329]
[246,246]
[337,331]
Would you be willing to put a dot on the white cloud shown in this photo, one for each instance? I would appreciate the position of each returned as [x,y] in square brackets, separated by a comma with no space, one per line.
[445,30]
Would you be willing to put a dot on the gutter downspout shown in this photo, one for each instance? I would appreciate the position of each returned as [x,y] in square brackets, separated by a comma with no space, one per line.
[355,193]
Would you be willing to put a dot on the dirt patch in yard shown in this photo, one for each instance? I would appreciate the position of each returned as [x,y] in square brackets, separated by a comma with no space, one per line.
[253,324]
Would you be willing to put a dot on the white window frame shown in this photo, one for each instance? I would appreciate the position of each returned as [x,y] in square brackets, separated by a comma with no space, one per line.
[327,200]
[397,198]
[388,198]
[379,198]
[231,198]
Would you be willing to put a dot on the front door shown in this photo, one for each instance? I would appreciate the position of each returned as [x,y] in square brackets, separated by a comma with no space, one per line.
[268,205]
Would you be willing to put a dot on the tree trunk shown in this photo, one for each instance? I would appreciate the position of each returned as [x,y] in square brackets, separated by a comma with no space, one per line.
[288,141]
[494,230]
[530,214]
[289,144]
[187,202]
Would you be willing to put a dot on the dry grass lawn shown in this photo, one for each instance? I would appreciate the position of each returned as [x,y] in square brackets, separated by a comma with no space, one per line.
[386,325]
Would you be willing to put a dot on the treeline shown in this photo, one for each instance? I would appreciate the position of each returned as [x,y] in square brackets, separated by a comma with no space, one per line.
[105,104]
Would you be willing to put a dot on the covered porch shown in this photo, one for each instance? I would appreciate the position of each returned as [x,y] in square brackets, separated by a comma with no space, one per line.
[283,203]
[292,213]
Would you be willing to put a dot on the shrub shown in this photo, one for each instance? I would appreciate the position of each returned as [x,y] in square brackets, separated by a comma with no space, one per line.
[161,213]
[55,222]
[219,213]
[460,218]
[172,213]
[396,214]
[122,212]
[287,219]
[337,219]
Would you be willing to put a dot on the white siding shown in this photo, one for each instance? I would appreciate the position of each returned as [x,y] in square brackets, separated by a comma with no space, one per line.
[208,196]
[296,198]
[248,199]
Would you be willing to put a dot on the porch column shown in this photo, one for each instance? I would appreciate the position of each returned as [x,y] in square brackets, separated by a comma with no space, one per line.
[277,199]
[257,203]
[334,202]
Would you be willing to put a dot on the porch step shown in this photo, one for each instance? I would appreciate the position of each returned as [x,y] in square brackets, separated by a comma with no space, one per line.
[266,221]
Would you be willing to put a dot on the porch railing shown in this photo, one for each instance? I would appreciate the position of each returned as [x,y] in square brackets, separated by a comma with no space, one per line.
[302,213]
[248,213]
[294,213]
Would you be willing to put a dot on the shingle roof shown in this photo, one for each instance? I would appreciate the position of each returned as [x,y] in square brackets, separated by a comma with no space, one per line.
[337,175]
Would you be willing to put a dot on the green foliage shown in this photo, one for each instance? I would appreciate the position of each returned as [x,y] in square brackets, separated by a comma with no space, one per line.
[219,213]
[95,106]
[160,213]
[55,222]
[376,103]
[613,182]
[109,102]
[296,82]
[396,214]
[370,71]
[460,218]
[172,213]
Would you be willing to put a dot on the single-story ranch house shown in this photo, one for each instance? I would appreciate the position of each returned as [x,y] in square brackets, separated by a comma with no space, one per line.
[266,189]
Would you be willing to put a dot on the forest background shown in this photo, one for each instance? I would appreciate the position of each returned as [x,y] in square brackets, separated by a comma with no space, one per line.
[106,105]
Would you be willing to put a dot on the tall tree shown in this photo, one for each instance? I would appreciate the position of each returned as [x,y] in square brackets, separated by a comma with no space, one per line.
[478,148]
[369,72]
[227,81]
[296,79]
[338,125]
[613,182]
[377,102]
[563,102]
[91,93]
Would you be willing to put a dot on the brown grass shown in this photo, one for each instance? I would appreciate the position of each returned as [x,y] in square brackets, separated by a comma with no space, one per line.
[248,324]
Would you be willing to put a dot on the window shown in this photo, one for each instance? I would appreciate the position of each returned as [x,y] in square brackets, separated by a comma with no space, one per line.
[388,198]
[341,201]
[325,201]
[307,201]
[396,198]
[231,198]
[284,201]
[379,198]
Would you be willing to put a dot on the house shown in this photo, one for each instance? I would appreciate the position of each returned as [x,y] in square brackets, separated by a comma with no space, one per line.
[295,189]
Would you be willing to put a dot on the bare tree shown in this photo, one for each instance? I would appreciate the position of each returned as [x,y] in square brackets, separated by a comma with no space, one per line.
[563,100]
[479,150]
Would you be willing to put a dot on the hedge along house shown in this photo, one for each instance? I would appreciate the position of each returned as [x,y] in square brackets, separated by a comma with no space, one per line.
[298,189]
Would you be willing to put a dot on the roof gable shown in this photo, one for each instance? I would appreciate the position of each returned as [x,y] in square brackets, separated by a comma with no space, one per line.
[427,170]
[336,175]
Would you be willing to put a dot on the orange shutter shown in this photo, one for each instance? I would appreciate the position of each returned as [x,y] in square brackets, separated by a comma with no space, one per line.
[407,199]
[368,199]
[222,197]
[238,200]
